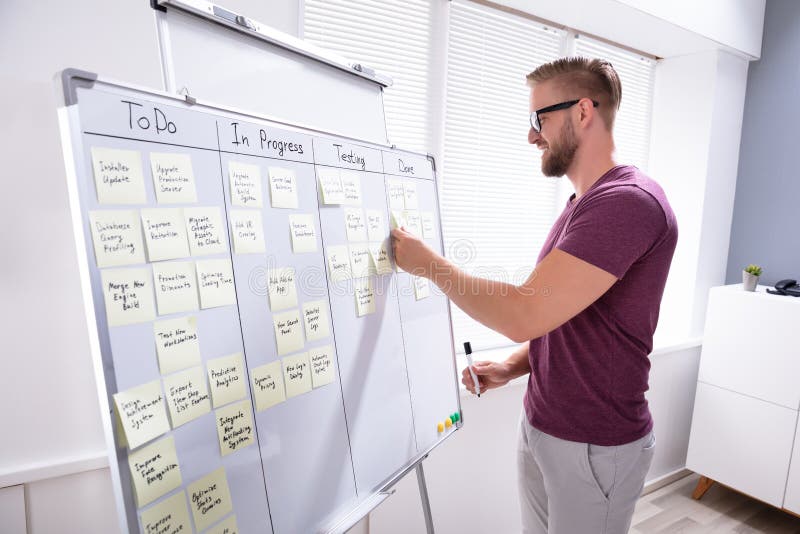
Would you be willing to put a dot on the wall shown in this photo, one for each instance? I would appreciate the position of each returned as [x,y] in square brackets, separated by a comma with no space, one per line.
[694,147]
[663,29]
[766,215]
[47,355]
[738,25]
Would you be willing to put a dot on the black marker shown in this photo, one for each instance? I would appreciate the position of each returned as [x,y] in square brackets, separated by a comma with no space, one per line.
[468,352]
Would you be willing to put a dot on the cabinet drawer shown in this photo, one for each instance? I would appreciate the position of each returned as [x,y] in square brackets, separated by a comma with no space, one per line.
[750,345]
[741,442]
[791,500]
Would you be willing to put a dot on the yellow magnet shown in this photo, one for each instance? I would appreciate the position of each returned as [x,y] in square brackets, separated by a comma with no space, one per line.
[440,427]
[448,423]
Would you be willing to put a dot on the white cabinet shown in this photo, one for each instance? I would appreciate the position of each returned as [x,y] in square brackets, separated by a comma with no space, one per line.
[748,396]
[791,500]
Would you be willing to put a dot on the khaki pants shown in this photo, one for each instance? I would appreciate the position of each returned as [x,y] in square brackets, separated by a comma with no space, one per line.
[576,488]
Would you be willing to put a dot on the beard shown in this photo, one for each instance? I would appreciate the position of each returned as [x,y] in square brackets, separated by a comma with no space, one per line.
[559,156]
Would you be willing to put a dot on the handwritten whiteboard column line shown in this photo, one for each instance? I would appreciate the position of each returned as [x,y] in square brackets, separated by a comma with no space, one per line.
[328,282]
[248,379]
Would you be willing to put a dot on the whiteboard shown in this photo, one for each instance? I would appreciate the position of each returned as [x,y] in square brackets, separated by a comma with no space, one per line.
[317,456]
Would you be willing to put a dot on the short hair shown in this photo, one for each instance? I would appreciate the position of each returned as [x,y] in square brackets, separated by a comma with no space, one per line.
[580,77]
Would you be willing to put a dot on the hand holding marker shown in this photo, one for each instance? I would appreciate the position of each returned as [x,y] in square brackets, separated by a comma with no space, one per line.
[468,353]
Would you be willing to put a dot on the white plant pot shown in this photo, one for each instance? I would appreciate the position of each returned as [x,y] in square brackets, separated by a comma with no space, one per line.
[749,281]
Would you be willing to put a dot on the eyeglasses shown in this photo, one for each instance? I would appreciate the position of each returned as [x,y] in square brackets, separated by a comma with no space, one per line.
[537,126]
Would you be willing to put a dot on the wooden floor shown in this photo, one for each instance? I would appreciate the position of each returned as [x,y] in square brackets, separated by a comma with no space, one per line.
[672,510]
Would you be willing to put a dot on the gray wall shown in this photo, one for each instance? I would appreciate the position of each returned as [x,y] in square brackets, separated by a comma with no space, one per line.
[766,215]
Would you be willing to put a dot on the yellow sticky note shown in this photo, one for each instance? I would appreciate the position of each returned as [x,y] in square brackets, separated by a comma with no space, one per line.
[187,396]
[339,263]
[154,470]
[245,185]
[379,253]
[410,195]
[422,288]
[355,225]
[322,371]
[142,412]
[396,194]
[122,441]
[302,230]
[165,233]
[365,296]
[215,282]
[226,526]
[170,516]
[210,499]
[226,379]
[376,231]
[413,223]
[177,345]
[176,286]
[235,428]
[118,176]
[428,228]
[315,319]
[173,178]
[205,231]
[288,332]
[117,237]
[128,295]
[351,187]
[330,184]
[283,188]
[398,219]
[297,374]
[268,389]
[281,288]
[360,264]
[247,231]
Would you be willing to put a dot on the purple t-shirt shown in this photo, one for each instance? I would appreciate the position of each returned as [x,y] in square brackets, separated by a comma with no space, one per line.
[589,375]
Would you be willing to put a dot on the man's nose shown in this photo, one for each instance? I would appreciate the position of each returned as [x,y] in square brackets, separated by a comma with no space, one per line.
[533,136]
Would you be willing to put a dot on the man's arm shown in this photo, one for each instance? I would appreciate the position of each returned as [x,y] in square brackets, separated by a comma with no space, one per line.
[559,288]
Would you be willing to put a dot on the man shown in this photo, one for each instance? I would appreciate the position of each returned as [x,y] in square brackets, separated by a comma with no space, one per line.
[586,314]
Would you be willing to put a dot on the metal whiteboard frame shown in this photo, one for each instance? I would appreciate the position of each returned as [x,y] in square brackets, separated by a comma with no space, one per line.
[69,80]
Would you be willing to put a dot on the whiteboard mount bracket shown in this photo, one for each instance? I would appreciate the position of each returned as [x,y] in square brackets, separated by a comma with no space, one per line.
[184,92]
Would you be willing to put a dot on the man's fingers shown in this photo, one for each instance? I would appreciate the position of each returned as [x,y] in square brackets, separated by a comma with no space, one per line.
[482,368]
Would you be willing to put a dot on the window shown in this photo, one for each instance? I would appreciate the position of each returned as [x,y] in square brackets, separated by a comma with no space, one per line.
[497,207]
[636,73]
[393,37]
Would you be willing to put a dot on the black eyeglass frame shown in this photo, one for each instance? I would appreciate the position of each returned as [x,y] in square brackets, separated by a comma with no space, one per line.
[537,126]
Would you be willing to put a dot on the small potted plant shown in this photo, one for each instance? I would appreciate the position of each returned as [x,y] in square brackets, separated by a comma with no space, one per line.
[750,277]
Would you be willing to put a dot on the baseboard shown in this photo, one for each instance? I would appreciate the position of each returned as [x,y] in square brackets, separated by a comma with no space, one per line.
[652,485]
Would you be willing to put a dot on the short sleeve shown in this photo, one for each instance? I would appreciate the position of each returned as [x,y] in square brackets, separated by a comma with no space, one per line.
[614,228]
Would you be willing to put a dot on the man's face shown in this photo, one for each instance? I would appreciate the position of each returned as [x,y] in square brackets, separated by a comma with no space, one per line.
[557,140]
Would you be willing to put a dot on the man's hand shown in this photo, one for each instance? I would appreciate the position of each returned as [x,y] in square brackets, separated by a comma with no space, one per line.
[412,254]
[490,375]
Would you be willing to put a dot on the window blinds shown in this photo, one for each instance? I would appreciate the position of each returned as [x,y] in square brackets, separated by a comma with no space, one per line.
[393,37]
[496,206]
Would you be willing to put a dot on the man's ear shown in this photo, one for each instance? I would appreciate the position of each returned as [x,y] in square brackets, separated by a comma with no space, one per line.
[588,112]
